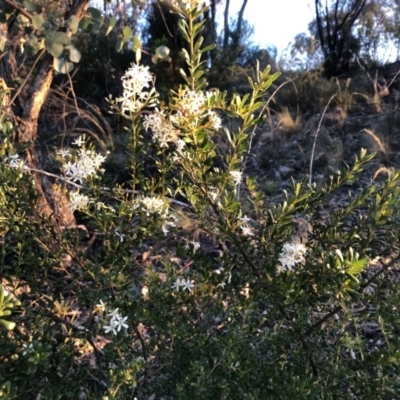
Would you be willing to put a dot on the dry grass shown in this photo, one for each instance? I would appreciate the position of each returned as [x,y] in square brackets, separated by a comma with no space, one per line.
[287,122]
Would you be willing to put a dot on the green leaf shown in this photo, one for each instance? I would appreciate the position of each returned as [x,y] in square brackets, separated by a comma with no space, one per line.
[119,44]
[73,24]
[136,43]
[111,25]
[62,66]
[357,266]
[37,21]
[7,324]
[127,34]
[74,54]
[29,6]
[97,18]
[138,54]
[55,49]
[61,38]
[85,21]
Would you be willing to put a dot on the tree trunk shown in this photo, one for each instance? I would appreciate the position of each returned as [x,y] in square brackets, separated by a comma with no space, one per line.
[27,101]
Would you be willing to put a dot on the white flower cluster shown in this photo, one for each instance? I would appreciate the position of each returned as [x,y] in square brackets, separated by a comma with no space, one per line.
[87,164]
[115,320]
[184,284]
[291,254]
[152,205]
[15,162]
[247,230]
[236,176]
[184,4]
[78,201]
[134,82]
[191,106]
[162,128]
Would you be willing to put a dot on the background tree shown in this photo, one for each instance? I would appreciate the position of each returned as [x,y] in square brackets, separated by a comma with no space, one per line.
[334,24]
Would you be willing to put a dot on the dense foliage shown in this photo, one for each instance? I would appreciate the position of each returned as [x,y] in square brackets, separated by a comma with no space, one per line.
[186,280]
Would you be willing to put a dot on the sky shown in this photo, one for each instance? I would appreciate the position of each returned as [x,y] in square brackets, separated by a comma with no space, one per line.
[275,22]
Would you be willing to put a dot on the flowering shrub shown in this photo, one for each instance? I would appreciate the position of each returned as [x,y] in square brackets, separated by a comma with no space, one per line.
[190,283]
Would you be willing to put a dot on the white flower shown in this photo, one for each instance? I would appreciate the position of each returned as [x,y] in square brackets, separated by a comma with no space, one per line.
[180,145]
[110,328]
[137,78]
[236,177]
[182,283]
[27,348]
[291,254]
[246,230]
[192,102]
[79,141]
[101,306]
[245,219]
[196,246]
[187,285]
[245,227]
[87,164]
[185,4]
[215,120]
[78,201]
[114,313]
[64,153]
[151,205]
[15,162]
[119,322]
[177,284]
[121,236]
[162,128]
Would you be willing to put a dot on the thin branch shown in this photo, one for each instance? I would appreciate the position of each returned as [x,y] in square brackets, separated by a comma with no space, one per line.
[19,8]
[27,77]
[104,188]
[144,351]
[316,136]
[341,380]
[338,308]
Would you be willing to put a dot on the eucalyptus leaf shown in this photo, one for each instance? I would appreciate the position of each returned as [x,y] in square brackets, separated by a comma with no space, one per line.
[73,24]
[127,33]
[61,38]
[111,25]
[138,54]
[119,44]
[55,49]
[62,66]
[74,54]
[37,21]
[136,43]
[29,6]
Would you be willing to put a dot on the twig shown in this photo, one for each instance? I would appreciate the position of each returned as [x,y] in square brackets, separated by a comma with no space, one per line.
[144,351]
[55,318]
[338,308]
[27,77]
[104,188]
[19,8]
[316,136]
